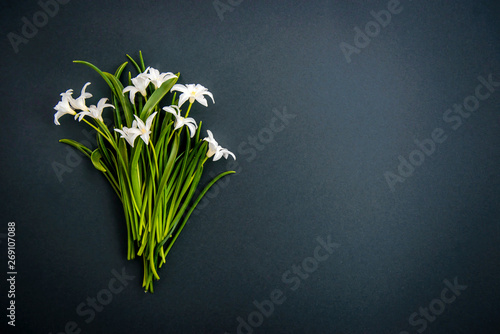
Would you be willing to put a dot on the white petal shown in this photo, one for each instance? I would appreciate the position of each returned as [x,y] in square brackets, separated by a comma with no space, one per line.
[62,108]
[167,76]
[218,154]
[132,91]
[202,101]
[102,104]
[129,134]
[145,137]
[179,122]
[138,123]
[191,128]
[85,95]
[57,115]
[183,98]
[79,103]
[210,94]
[141,82]
[211,139]
[149,121]
[192,120]
[180,88]
[174,110]
[82,114]
[227,153]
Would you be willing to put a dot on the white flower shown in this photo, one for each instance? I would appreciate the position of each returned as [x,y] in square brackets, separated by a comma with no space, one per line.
[214,149]
[129,134]
[95,112]
[68,104]
[63,107]
[79,103]
[181,121]
[193,92]
[140,83]
[138,129]
[145,129]
[158,79]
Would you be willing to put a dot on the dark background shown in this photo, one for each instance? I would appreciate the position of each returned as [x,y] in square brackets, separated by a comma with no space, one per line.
[321,176]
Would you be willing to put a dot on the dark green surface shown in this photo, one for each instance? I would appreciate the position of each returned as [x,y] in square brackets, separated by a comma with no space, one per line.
[317,173]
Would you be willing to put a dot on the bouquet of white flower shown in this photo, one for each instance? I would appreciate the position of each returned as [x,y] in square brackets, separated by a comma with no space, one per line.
[155,177]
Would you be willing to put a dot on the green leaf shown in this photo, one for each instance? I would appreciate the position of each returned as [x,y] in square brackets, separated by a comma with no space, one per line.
[135,64]
[117,117]
[116,87]
[107,156]
[135,175]
[80,147]
[98,71]
[119,71]
[166,173]
[118,91]
[197,136]
[175,235]
[142,61]
[96,160]
[156,97]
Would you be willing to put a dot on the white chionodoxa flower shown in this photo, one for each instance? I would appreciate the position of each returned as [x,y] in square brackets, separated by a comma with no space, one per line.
[68,104]
[140,83]
[63,107]
[138,129]
[95,111]
[215,150]
[181,121]
[145,129]
[157,78]
[193,92]
[79,103]
[129,134]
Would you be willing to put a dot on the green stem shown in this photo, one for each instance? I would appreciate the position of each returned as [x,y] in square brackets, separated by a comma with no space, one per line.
[155,160]
[187,112]
[97,129]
